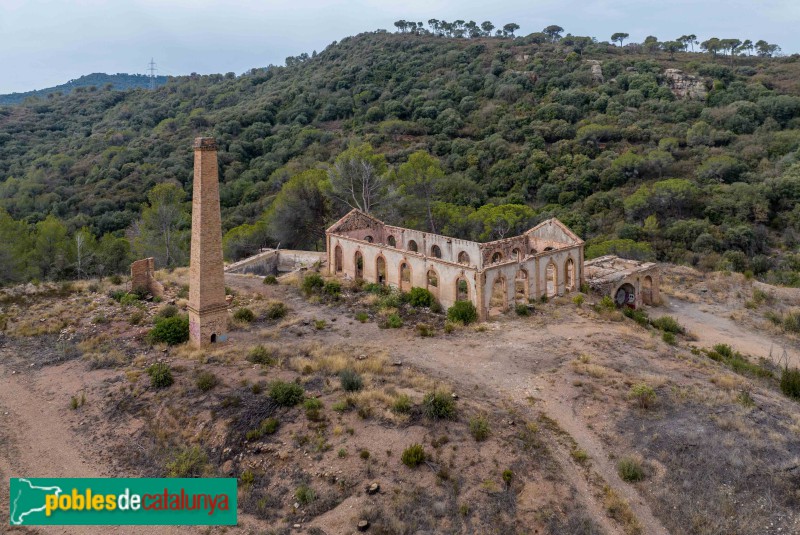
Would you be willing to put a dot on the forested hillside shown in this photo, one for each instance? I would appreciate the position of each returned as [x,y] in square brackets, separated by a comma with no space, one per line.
[475,137]
[120,81]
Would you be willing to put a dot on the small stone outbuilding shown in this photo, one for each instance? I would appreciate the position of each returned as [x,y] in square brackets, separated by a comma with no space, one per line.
[546,260]
[629,283]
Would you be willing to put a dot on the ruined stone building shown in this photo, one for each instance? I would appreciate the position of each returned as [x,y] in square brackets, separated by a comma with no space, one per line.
[629,283]
[546,260]
[208,309]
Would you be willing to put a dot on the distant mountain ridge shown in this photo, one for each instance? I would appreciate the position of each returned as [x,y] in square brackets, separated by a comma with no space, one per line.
[119,81]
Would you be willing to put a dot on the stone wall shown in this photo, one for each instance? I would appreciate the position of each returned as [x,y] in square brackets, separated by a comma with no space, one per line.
[143,278]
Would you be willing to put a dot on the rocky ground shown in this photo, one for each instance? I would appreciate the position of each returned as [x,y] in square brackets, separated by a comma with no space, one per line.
[568,446]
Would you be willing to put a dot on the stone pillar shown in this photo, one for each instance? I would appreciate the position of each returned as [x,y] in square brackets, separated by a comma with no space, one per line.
[208,311]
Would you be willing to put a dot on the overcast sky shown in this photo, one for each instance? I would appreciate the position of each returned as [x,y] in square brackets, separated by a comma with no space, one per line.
[48,42]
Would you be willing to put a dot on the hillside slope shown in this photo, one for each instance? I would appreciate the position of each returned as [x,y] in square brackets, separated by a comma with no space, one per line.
[119,82]
[598,139]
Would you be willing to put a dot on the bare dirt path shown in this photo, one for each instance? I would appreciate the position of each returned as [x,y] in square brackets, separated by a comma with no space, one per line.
[37,440]
[711,326]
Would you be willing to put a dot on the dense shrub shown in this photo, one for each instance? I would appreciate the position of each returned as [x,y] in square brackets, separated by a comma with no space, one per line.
[171,331]
[206,381]
[276,310]
[188,462]
[522,310]
[244,314]
[413,455]
[350,380]
[630,469]
[439,406]
[270,280]
[167,311]
[402,404]
[643,394]
[420,297]
[462,311]
[790,382]
[286,394]
[260,355]
[160,375]
[332,289]
[394,321]
[312,283]
[668,324]
[479,428]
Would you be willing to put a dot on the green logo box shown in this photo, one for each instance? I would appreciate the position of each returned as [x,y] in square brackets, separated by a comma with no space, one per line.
[122,501]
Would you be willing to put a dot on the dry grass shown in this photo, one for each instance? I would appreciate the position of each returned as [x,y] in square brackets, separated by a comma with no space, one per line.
[620,510]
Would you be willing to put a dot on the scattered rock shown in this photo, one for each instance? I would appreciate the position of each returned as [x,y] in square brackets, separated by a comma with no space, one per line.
[397,363]
[455,396]
[227,467]
[361,357]
[374,488]
[363,525]
[685,85]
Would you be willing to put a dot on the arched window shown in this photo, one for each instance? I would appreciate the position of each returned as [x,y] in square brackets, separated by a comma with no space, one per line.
[436,252]
[548,248]
[516,253]
[497,257]
[498,302]
[462,290]
[521,287]
[647,290]
[405,277]
[569,275]
[368,239]
[533,250]
[412,246]
[380,270]
[359,260]
[337,259]
[391,241]
[214,338]
[463,258]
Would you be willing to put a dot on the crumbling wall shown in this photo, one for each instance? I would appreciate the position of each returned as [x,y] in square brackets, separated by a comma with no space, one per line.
[143,277]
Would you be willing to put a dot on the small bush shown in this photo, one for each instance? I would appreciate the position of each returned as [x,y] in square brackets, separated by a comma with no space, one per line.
[135,319]
[286,394]
[630,469]
[425,330]
[790,382]
[305,495]
[390,300]
[606,303]
[276,310]
[375,288]
[669,338]
[462,311]
[578,300]
[351,381]
[579,455]
[420,297]
[167,311]
[171,331]
[189,462]
[129,299]
[479,428]
[636,315]
[206,381]
[439,406]
[244,314]
[270,280]
[402,404]
[247,479]
[312,283]
[332,289]
[643,394]
[362,317]
[115,279]
[413,455]
[522,310]
[508,476]
[394,322]
[269,426]
[260,355]
[452,326]
[364,454]
[668,324]
[160,375]
[313,406]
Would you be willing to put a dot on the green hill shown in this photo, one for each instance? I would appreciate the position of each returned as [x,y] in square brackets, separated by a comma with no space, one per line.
[522,129]
[118,81]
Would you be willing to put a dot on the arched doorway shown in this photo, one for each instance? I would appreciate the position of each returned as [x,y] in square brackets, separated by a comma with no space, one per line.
[498,302]
[569,275]
[462,289]
[497,257]
[359,261]
[380,270]
[463,258]
[551,276]
[436,252]
[337,259]
[405,277]
[412,246]
[214,338]
[521,287]
[433,282]
[625,296]
[647,290]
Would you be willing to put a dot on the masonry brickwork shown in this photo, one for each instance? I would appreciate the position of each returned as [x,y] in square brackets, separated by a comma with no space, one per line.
[143,277]
[546,260]
[208,310]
